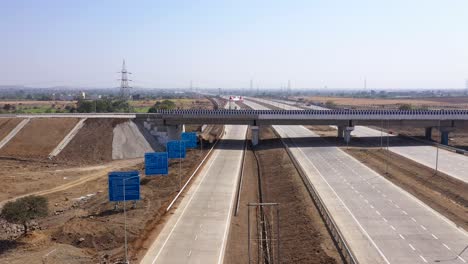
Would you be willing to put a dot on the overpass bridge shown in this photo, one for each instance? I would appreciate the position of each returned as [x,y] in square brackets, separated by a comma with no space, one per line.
[345,120]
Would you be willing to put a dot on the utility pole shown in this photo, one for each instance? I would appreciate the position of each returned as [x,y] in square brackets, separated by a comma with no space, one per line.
[124,87]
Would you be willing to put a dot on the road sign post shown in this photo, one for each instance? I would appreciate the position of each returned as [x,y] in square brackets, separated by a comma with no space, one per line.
[119,190]
[156,163]
[176,150]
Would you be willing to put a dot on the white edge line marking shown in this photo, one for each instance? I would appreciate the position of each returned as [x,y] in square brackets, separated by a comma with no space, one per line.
[183,211]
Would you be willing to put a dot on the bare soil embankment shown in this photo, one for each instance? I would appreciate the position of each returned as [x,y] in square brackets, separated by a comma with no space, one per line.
[38,138]
[92,144]
[7,125]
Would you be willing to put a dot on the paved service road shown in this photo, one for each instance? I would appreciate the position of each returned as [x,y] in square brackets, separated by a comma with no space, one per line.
[381,222]
[198,229]
[450,163]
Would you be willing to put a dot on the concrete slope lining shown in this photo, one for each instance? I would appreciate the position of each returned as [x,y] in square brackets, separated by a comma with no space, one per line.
[67,138]
[128,142]
[13,133]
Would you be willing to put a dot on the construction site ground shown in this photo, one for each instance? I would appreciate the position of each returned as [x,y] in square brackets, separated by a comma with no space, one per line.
[443,193]
[46,133]
[303,235]
[82,226]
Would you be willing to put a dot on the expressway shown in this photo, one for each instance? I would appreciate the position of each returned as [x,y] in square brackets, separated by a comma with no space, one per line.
[198,229]
[381,222]
[450,163]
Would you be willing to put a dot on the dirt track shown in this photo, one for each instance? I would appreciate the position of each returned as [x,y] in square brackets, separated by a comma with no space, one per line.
[38,138]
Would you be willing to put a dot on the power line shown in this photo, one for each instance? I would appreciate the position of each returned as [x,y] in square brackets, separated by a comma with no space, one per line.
[124,87]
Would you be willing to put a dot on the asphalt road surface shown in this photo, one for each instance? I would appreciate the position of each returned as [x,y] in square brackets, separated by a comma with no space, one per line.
[381,222]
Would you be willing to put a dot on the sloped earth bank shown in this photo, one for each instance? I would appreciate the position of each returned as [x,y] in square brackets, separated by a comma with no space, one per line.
[83,227]
[8,124]
[92,144]
[38,138]
[303,235]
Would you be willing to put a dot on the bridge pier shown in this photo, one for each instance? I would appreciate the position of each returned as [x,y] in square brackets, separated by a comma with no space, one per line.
[444,134]
[174,132]
[428,133]
[255,134]
[347,133]
[340,131]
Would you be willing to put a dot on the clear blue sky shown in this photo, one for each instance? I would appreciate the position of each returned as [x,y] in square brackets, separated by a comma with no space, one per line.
[395,43]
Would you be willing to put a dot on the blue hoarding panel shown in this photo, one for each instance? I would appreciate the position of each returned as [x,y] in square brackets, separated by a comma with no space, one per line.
[190,138]
[176,149]
[117,180]
[156,163]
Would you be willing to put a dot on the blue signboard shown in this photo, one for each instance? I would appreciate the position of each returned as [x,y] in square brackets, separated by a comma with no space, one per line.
[176,149]
[156,163]
[190,139]
[117,180]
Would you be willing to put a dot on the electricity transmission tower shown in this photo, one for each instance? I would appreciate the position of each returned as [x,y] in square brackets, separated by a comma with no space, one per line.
[124,87]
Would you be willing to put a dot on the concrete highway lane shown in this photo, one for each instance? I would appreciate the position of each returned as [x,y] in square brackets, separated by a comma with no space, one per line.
[381,222]
[198,229]
[450,163]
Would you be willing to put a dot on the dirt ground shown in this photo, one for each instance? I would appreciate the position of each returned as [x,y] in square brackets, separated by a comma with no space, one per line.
[443,193]
[451,102]
[92,144]
[83,227]
[304,237]
[20,177]
[8,124]
[38,138]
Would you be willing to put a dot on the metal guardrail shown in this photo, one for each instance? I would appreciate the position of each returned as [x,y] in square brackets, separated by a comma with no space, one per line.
[348,112]
[337,237]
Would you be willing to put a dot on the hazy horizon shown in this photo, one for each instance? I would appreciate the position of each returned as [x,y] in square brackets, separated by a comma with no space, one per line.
[338,44]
